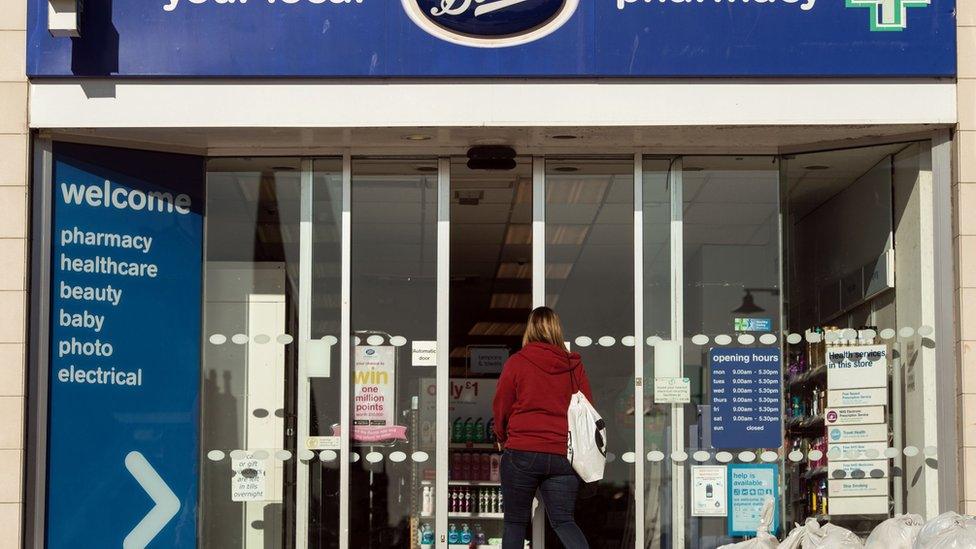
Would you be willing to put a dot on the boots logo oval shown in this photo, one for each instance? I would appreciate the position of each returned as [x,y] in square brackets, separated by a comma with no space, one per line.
[490,23]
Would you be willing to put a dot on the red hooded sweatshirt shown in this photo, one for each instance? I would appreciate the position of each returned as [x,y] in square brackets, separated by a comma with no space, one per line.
[533,396]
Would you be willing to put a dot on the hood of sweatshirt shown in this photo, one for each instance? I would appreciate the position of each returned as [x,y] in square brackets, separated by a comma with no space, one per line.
[550,358]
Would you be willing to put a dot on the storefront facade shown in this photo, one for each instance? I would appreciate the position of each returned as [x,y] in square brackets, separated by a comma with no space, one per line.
[253,224]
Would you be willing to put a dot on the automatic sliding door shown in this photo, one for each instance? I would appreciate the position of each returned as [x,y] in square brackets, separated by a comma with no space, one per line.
[394,323]
[590,283]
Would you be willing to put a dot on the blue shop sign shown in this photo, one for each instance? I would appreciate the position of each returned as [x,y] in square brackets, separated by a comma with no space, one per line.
[123,439]
[500,38]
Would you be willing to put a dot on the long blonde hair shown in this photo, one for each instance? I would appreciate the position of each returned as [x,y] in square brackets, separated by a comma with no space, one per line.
[543,327]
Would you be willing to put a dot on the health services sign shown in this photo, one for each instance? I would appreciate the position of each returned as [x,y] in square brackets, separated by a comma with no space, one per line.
[500,38]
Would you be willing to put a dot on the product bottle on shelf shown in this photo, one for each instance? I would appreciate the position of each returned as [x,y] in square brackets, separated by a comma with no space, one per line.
[457,431]
[465,534]
[495,475]
[479,431]
[426,534]
[468,430]
[452,534]
[479,535]
[428,501]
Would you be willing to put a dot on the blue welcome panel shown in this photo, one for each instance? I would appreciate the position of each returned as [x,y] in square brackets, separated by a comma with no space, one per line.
[124,371]
[499,38]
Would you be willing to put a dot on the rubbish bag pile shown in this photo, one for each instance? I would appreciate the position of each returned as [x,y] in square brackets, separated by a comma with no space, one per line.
[946,531]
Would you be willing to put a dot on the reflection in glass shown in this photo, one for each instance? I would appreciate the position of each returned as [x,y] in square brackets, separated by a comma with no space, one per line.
[323,353]
[251,292]
[658,324]
[590,281]
[731,250]
[394,259]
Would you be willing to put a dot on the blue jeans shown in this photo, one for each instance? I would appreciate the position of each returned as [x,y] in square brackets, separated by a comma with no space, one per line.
[526,473]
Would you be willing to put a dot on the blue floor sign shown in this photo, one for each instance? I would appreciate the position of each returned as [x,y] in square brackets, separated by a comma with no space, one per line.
[746,397]
[125,348]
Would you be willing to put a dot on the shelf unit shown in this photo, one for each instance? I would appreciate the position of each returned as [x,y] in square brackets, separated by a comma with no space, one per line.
[483,516]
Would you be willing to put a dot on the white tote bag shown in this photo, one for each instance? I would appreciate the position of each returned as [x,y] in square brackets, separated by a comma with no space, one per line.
[587,439]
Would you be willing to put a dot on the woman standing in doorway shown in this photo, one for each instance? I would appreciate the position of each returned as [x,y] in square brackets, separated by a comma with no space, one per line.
[530,421]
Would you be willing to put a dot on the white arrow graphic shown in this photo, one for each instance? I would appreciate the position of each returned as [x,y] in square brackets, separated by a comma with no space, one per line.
[167,504]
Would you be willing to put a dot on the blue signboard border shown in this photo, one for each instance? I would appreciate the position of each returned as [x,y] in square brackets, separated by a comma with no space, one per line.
[378,39]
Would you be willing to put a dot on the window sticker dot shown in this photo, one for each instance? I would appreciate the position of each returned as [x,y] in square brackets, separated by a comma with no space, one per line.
[701,456]
[794,339]
[814,337]
[285,339]
[627,341]
[891,453]
[398,341]
[655,456]
[280,412]
[850,333]
[583,341]
[911,451]
[354,457]
[926,331]
[872,453]
[306,455]
[374,340]
[238,454]
[653,340]
[218,339]
[679,457]
[839,473]
[746,339]
[724,457]
[796,456]
[607,341]
[283,455]
[239,339]
[930,451]
[747,456]
[628,457]
[815,455]
[723,339]
[700,340]
[767,339]
[420,457]
[262,339]
[374,457]
[356,340]
[328,455]
[888,333]
[906,332]
[611,457]
[834,453]
[216,455]
[260,413]
[330,340]
[876,473]
[769,456]
[832,337]
[398,457]
[260,454]
[868,333]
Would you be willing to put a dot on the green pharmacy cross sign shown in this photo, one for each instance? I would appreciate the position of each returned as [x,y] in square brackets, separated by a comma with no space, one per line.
[888,15]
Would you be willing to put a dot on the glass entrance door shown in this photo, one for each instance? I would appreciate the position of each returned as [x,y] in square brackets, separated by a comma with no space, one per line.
[362,309]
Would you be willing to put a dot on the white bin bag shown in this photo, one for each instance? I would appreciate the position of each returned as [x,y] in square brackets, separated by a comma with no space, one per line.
[763,539]
[895,533]
[813,536]
[587,439]
[947,531]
